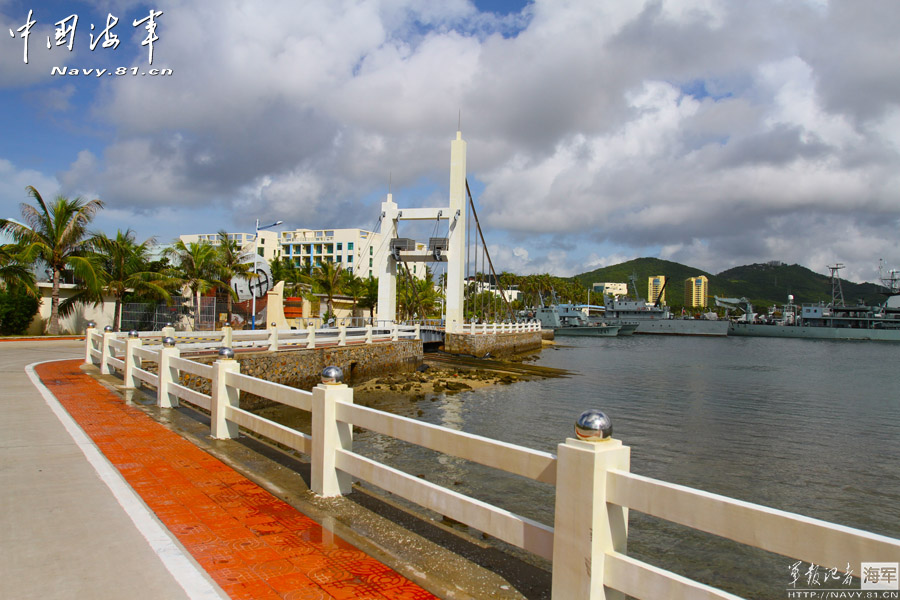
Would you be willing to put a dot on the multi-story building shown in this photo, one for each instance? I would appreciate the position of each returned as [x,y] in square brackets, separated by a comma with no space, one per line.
[655,284]
[356,249]
[610,289]
[696,291]
[268,246]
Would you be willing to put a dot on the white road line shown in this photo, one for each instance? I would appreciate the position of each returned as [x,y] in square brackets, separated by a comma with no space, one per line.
[188,575]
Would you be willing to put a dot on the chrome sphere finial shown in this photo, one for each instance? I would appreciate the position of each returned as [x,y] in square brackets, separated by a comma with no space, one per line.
[169,324]
[91,324]
[168,342]
[226,353]
[593,426]
[274,325]
[332,375]
[133,333]
[108,329]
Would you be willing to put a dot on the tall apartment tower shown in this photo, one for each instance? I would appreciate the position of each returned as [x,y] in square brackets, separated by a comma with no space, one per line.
[655,284]
[696,290]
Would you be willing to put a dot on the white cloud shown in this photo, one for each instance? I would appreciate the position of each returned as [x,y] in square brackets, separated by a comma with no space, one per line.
[716,131]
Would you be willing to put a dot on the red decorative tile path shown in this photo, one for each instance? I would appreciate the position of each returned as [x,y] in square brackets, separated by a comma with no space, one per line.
[253,545]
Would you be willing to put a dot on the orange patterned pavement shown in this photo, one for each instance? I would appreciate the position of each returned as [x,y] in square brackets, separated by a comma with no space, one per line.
[253,545]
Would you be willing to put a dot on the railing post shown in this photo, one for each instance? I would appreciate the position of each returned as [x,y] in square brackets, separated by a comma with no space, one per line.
[369,333]
[472,327]
[418,332]
[223,396]
[273,338]
[89,342]
[585,526]
[311,336]
[168,331]
[395,332]
[167,373]
[329,435]
[227,336]
[131,361]
[342,335]
[105,350]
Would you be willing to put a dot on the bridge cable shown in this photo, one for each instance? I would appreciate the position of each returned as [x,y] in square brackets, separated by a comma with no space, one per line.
[484,245]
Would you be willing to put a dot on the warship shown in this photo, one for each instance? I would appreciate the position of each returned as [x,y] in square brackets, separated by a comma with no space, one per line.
[654,318]
[834,321]
[568,319]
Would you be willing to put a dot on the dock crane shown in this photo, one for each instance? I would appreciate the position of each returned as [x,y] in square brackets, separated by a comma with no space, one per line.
[741,304]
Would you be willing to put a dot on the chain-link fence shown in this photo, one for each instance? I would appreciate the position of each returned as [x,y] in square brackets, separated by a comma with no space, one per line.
[153,317]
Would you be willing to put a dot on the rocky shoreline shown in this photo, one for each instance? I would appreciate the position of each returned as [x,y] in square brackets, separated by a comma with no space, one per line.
[420,384]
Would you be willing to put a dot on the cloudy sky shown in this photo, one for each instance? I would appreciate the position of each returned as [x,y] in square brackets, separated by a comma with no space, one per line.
[712,133]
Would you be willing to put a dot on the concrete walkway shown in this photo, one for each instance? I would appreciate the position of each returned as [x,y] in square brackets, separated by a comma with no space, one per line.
[75,512]
[64,532]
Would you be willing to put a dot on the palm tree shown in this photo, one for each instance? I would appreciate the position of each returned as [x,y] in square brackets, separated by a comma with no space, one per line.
[369,298]
[14,271]
[56,235]
[354,287]
[123,266]
[327,278]
[232,263]
[197,269]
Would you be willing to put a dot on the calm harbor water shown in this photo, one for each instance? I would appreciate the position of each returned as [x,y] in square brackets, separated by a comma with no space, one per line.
[806,426]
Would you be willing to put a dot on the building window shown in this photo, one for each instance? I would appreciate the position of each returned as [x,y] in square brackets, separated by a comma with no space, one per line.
[370,250]
[370,262]
[349,245]
[338,258]
[339,246]
[350,258]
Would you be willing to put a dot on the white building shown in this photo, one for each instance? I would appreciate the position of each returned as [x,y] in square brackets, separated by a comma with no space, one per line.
[268,247]
[610,289]
[357,249]
[512,294]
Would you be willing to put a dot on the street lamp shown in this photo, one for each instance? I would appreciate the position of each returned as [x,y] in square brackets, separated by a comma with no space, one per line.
[255,256]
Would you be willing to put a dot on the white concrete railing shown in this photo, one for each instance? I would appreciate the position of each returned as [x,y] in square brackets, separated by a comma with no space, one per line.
[251,340]
[493,328]
[594,488]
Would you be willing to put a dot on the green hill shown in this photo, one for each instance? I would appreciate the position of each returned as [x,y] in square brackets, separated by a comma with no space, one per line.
[763,284]
[770,283]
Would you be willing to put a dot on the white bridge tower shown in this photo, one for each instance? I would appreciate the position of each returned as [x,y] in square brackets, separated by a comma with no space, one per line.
[451,249]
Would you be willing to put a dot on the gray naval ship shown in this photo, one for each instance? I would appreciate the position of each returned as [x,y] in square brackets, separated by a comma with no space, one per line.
[834,321]
[568,319]
[652,318]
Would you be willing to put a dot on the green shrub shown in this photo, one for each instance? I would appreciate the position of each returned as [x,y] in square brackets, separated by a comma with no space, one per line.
[17,309]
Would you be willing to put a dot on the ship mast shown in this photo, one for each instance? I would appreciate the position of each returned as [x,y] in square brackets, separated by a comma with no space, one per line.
[836,291]
[891,281]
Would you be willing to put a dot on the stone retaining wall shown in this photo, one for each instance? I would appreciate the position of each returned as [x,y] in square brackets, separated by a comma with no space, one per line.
[303,368]
[495,344]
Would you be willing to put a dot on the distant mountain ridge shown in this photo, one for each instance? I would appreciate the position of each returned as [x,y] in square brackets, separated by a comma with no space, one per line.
[763,284]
